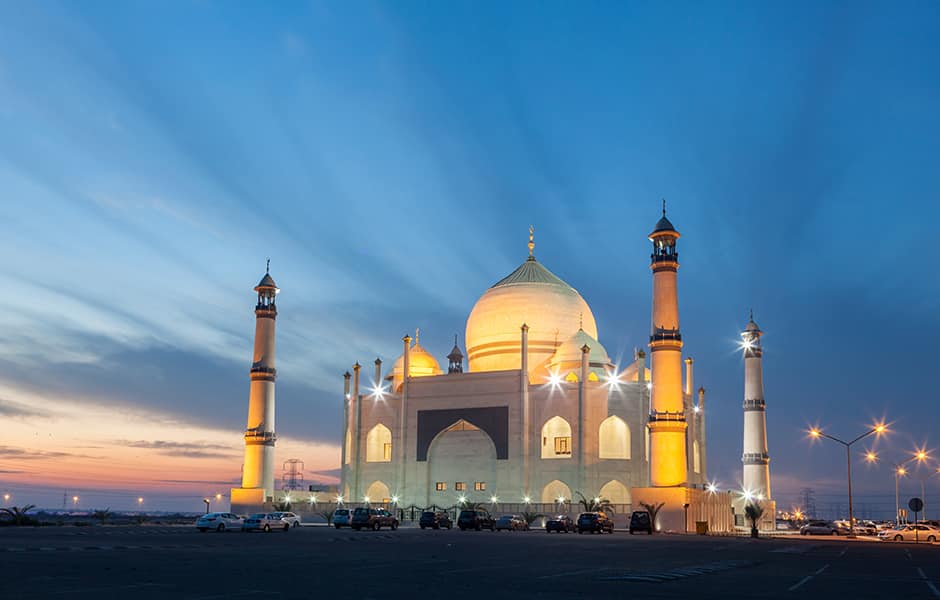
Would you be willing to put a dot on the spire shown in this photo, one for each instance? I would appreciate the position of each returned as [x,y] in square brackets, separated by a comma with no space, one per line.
[531,242]
[267,267]
[417,331]
[664,207]
[456,359]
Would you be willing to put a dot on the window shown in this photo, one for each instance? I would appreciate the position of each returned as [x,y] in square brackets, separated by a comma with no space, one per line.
[379,444]
[440,486]
[460,486]
[556,438]
[480,486]
[614,438]
[563,445]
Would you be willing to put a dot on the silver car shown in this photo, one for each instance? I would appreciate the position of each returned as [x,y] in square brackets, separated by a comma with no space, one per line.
[264,522]
[342,517]
[911,533]
[290,517]
[822,528]
[218,522]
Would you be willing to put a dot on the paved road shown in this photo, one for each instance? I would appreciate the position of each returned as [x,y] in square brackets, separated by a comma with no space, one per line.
[164,562]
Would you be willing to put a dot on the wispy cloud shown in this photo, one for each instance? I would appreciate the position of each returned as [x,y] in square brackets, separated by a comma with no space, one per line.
[14,410]
[183,449]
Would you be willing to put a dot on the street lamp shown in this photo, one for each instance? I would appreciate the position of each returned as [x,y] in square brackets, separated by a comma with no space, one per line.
[74,500]
[877,429]
[206,500]
[900,471]
[140,502]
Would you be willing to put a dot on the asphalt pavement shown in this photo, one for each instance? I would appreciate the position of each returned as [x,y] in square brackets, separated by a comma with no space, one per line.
[179,562]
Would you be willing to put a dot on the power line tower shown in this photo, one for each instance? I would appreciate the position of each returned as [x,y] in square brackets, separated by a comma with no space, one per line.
[808,501]
[292,477]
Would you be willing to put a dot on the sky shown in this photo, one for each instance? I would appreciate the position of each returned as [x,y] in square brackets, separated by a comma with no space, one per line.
[389,157]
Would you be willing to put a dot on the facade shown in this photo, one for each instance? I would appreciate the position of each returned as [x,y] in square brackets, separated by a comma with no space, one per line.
[540,414]
[260,437]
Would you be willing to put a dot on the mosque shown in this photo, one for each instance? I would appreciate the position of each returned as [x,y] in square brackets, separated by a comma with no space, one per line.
[540,416]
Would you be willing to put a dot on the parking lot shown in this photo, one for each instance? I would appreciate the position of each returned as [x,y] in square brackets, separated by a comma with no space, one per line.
[160,562]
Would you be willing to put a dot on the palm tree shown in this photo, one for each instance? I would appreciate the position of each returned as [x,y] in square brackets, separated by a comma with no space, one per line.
[653,510]
[283,506]
[328,515]
[595,504]
[753,512]
[103,515]
[18,514]
[530,517]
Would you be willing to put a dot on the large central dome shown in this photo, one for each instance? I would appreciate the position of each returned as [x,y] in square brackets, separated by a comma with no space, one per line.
[553,310]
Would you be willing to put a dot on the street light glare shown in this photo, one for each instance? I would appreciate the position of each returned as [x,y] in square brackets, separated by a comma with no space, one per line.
[871,457]
[921,455]
[815,432]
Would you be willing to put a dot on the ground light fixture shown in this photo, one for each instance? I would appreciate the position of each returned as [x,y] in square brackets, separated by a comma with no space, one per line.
[877,429]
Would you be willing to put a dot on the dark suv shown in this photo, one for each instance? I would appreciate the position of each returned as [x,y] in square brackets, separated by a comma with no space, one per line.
[435,520]
[640,521]
[475,519]
[372,518]
[595,522]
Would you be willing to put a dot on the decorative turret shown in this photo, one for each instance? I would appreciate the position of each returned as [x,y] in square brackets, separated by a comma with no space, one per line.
[667,420]
[456,359]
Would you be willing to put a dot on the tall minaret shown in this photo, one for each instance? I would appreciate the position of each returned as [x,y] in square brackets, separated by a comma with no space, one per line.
[756,459]
[667,424]
[258,469]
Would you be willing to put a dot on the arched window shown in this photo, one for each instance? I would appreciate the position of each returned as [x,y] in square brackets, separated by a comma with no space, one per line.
[616,492]
[377,493]
[379,444]
[556,491]
[614,438]
[556,438]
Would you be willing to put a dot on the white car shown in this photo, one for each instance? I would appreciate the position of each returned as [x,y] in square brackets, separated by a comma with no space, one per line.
[290,517]
[218,522]
[264,522]
[911,533]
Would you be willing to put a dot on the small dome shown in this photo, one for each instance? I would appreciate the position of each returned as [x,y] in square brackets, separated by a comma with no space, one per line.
[421,364]
[266,282]
[567,357]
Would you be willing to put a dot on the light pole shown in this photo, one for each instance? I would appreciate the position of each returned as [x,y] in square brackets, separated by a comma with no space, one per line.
[923,490]
[816,433]
[898,471]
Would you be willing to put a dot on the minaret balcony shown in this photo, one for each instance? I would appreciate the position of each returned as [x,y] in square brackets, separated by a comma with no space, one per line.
[657,257]
[665,415]
[755,458]
[755,404]
[263,373]
[257,436]
[268,311]
[665,335]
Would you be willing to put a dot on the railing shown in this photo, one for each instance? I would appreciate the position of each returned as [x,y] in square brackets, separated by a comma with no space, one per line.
[665,415]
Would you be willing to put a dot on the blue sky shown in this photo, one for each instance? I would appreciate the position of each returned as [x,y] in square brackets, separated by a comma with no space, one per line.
[389,158]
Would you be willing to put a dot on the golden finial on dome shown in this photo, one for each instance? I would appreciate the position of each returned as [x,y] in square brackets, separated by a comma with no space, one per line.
[531,242]
[417,331]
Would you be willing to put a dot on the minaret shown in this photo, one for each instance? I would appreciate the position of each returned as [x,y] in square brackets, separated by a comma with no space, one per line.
[667,424]
[756,459]
[258,469]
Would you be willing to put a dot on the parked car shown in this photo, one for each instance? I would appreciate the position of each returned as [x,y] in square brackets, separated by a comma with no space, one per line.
[435,520]
[640,521]
[561,524]
[475,519]
[511,523]
[823,528]
[372,518]
[911,533]
[290,517]
[595,522]
[341,517]
[264,522]
[218,522]
[865,528]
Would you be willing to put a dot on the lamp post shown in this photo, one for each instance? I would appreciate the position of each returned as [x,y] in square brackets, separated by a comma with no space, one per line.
[878,429]
[923,490]
[898,471]
[206,500]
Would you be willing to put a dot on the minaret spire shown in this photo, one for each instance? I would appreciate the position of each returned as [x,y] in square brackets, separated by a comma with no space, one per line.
[531,242]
